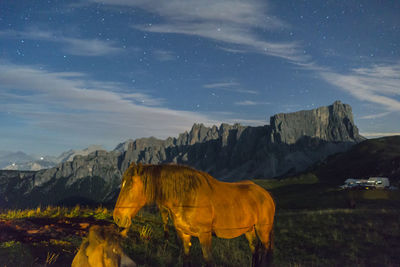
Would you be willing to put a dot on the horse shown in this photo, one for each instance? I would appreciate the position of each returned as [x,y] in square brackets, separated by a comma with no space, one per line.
[102,249]
[200,206]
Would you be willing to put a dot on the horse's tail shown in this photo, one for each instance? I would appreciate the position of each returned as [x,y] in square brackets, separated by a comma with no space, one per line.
[270,249]
[271,246]
[266,234]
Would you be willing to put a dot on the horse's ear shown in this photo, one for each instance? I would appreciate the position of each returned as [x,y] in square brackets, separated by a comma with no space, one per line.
[139,168]
[124,233]
[133,168]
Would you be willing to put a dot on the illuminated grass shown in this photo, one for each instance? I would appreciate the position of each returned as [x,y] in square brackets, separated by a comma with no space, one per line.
[100,213]
[327,237]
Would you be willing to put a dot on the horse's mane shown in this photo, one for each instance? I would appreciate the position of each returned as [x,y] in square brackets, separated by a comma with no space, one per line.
[169,181]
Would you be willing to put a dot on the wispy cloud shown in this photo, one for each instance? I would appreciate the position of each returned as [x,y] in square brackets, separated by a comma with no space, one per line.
[90,47]
[71,104]
[251,103]
[221,85]
[375,135]
[72,45]
[378,84]
[143,99]
[163,55]
[229,86]
[233,23]
[375,116]
[247,122]
[235,11]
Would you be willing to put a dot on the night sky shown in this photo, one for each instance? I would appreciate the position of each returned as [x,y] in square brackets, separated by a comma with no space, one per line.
[75,73]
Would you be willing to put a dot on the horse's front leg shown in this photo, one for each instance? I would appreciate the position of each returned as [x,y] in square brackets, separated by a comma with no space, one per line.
[164,216]
[205,242]
[186,248]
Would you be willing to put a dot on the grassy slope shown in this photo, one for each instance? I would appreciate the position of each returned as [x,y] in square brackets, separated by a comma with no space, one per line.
[373,157]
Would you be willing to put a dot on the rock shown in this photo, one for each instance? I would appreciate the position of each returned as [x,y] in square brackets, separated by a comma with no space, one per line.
[70,154]
[331,124]
[122,147]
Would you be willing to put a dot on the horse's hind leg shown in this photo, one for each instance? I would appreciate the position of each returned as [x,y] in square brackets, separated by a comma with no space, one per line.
[205,242]
[254,246]
[265,234]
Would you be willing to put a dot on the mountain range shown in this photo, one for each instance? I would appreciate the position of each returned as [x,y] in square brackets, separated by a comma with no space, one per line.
[23,162]
[290,144]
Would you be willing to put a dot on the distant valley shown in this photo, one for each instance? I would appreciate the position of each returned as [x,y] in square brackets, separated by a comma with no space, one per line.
[23,162]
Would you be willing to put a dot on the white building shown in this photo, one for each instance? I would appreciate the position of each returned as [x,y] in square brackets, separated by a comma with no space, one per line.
[373,182]
[379,182]
[351,182]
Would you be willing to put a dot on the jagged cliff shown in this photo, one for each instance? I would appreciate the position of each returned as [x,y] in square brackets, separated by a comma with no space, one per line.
[331,124]
[290,144]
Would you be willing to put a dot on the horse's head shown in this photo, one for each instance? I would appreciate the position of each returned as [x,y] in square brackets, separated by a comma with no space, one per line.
[104,246]
[131,198]
[102,249]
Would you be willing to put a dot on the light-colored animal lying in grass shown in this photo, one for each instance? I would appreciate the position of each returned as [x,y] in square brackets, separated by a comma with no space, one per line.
[102,249]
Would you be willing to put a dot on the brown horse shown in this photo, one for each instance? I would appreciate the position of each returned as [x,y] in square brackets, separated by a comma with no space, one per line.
[102,249]
[200,206]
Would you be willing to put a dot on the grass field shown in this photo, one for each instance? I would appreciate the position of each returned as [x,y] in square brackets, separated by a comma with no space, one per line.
[313,227]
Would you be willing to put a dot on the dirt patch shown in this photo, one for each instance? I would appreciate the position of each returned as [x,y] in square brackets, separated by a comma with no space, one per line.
[49,241]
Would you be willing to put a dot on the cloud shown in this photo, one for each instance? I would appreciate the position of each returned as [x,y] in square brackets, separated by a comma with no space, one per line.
[72,46]
[221,85]
[375,135]
[232,34]
[229,86]
[93,47]
[251,103]
[143,99]
[72,105]
[375,116]
[378,84]
[246,122]
[236,23]
[163,55]
[234,11]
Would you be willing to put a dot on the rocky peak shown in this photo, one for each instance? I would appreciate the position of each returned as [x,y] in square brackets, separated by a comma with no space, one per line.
[332,123]
[198,134]
[121,147]
[70,154]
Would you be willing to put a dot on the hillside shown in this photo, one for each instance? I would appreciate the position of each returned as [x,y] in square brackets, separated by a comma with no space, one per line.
[373,157]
